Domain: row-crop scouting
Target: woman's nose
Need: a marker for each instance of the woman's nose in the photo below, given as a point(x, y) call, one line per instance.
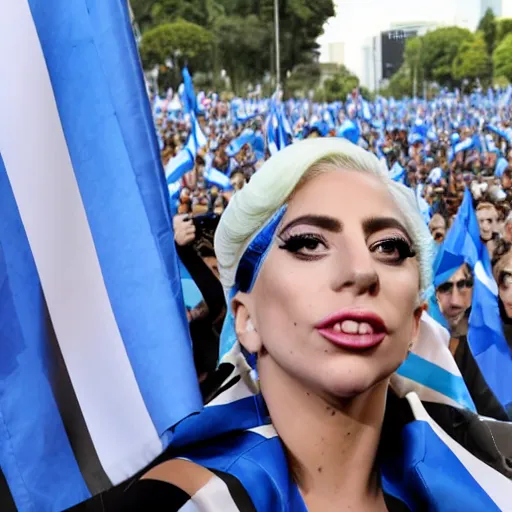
point(355, 269)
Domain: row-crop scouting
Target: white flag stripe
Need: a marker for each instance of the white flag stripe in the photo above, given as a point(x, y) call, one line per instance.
point(215, 493)
point(402, 385)
point(53, 214)
point(433, 344)
point(497, 486)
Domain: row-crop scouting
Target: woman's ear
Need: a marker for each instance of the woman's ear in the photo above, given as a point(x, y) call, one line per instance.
point(416, 323)
point(245, 327)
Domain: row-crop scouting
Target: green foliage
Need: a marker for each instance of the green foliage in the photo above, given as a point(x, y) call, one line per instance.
point(501, 82)
point(240, 42)
point(488, 27)
point(189, 41)
point(339, 86)
point(304, 78)
point(502, 58)
point(239, 28)
point(366, 93)
point(401, 83)
point(150, 13)
point(472, 62)
point(439, 49)
point(504, 27)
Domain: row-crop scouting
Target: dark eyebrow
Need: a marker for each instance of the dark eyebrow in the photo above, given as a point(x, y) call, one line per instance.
point(320, 221)
point(375, 224)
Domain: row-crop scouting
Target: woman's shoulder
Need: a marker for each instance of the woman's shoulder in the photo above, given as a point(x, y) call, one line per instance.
point(182, 485)
point(226, 470)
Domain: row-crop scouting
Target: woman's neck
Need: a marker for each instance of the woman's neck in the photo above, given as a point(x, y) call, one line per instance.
point(332, 444)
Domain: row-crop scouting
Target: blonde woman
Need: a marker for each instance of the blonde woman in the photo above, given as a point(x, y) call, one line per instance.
point(324, 260)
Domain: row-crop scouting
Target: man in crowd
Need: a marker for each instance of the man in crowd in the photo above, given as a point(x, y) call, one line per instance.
point(454, 298)
point(437, 226)
point(487, 216)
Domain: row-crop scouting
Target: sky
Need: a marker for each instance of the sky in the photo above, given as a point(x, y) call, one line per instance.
point(358, 20)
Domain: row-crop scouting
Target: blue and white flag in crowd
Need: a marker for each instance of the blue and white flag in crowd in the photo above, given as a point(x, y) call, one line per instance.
point(215, 177)
point(485, 335)
point(92, 320)
point(397, 173)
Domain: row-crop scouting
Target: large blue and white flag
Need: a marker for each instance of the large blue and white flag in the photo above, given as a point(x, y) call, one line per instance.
point(92, 320)
point(485, 335)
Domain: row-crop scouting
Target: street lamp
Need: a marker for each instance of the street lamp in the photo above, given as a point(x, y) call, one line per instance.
point(278, 47)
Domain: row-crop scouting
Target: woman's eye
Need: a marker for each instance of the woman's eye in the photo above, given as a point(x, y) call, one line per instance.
point(307, 245)
point(393, 250)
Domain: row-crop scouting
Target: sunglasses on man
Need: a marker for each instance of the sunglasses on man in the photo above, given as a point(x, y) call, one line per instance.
point(461, 285)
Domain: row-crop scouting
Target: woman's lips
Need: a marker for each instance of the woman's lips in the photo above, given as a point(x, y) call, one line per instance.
point(353, 329)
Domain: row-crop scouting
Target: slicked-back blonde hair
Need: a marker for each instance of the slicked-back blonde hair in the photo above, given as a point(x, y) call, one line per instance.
point(280, 176)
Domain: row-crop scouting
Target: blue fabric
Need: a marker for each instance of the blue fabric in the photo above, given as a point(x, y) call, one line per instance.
point(437, 475)
point(189, 97)
point(215, 177)
point(501, 165)
point(178, 166)
point(397, 173)
point(434, 377)
point(485, 336)
point(350, 131)
point(246, 275)
point(423, 472)
point(35, 454)
point(89, 47)
point(255, 254)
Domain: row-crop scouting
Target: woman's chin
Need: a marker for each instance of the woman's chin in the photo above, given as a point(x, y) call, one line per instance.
point(352, 384)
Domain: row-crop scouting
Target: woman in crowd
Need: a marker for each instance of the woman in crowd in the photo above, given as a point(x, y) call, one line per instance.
point(324, 261)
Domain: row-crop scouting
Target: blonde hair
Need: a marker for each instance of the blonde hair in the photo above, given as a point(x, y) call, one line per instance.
point(280, 177)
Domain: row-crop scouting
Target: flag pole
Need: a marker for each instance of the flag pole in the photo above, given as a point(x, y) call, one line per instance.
point(278, 48)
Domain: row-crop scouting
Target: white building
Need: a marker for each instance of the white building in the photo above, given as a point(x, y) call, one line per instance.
point(336, 53)
point(372, 76)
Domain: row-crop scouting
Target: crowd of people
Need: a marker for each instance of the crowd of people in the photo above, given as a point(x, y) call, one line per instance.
point(437, 148)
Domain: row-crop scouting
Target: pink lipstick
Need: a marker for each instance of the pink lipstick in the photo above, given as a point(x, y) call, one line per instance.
point(353, 329)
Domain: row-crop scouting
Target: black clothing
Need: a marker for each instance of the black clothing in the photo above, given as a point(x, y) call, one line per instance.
point(205, 332)
point(485, 402)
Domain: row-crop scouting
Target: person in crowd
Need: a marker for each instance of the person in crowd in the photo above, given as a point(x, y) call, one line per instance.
point(487, 216)
point(454, 298)
point(502, 271)
point(205, 322)
point(507, 229)
point(437, 226)
point(238, 179)
point(324, 259)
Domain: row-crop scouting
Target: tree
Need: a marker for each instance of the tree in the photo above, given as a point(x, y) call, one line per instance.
point(240, 42)
point(339, 86)
point(502, 58)
point(504, 27)
point(472, 62)
point(150, 14)
point(401, 83)
point(301, 23)
point(181, 40)
point(413, 59)
point(488, 26)
point(439, 49)
point(304, 78)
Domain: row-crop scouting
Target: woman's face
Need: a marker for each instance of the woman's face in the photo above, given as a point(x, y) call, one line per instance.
point(504, 279)
point(335, 305)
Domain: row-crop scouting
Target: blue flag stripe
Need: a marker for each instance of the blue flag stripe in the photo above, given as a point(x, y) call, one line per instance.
point(150, 254)
point(109, 273)
point(84, 323)
point(434, 377)
point(23, 338)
